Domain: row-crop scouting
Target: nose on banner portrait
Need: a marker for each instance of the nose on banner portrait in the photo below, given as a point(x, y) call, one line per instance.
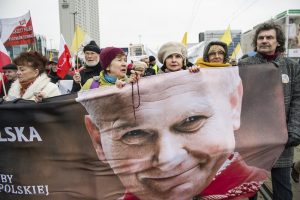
point(180, 135)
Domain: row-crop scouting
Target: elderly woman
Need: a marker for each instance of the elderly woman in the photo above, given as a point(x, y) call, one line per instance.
point(114, 63)
point(215, 55)
point(32, 83)
point(173, 57)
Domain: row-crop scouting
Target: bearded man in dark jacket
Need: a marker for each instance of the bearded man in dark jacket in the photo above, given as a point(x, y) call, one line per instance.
point(92, 66)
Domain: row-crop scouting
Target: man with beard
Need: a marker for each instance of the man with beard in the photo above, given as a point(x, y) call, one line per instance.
point(92, 66)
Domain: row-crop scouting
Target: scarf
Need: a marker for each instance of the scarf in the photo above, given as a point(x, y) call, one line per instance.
point(270, 57)
point(25, 85)
point(107, 80)
point(200, 62)
point(110, 79)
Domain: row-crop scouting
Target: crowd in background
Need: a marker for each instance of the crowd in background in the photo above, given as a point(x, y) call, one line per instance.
point(96, 65)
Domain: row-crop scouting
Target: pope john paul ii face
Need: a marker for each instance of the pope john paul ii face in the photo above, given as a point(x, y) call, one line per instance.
point(175, 146)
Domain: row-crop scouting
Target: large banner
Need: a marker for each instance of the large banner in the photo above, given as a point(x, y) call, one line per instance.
point(181, 135)
point(17, 31)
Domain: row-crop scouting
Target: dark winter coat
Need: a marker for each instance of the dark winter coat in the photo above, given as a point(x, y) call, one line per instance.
point(86, 74)
point(54, 78)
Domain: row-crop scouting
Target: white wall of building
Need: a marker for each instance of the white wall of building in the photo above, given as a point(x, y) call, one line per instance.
point(87, 17)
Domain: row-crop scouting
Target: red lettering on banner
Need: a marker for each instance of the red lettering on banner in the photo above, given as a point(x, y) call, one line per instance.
point(21, 34)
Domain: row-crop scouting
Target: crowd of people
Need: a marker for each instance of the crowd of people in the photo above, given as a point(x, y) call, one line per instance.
point(32, 77)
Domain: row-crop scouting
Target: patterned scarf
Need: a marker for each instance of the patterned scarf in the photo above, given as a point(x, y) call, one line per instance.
point(25, 85)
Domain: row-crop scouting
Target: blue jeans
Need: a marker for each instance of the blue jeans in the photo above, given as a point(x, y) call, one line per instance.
point(281, 183)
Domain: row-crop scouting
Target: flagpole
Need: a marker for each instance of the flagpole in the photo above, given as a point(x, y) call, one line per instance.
point(74, 15)
point(51, 54)
point(77, 51)
point(34, 44)
point(2, 80)
point(76, 67)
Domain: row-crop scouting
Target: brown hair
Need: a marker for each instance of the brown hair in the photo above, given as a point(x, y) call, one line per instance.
point(32, 59)
point(279, 35)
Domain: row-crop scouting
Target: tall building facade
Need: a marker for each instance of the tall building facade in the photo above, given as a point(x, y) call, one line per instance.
point(136, 50)
point(84, 13)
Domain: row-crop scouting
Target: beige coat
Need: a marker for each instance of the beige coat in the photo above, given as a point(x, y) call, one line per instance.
point(42, 83)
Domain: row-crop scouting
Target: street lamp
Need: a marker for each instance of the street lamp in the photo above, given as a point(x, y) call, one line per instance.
point(74, 17)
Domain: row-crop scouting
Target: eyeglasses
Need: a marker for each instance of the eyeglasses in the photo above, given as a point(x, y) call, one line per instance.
point(216, 53)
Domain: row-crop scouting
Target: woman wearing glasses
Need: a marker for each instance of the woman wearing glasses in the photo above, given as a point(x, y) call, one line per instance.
point(215, 55)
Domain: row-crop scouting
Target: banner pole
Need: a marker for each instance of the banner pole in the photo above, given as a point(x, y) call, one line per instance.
point(77, 50)
point(2, 80)
point(76, 35)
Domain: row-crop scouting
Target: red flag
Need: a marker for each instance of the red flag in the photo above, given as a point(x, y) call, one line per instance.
point(4, 57)
point(4, 60)
point(63, 64)
point(17, 30)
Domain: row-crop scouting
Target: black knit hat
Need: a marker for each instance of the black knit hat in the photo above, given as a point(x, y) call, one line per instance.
point(92, 46)
point(53, 61)
point(10, 66)
point(151, 58)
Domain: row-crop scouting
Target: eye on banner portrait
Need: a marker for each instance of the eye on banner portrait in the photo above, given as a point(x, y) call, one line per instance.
point(208, 135)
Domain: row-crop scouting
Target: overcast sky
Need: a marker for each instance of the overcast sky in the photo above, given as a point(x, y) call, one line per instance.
point(153, 22)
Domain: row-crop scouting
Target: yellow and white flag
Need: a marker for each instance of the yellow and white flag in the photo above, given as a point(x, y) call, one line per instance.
point(79, 40)
point(237, 52)
point(184, 39)
point(51, 56)
point(226, 37)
